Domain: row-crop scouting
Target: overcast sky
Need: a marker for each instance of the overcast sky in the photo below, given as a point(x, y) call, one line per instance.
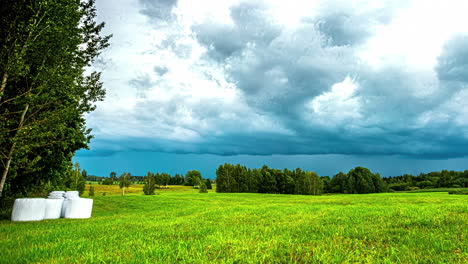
point(323, 85)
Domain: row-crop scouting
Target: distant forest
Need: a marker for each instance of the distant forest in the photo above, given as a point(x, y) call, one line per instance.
point(437, 179)
point(237, 178)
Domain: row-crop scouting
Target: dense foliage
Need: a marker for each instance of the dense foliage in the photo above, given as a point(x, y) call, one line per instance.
point(357, 180)
point(442, 179)
point(177, 179)
point(155, 180)
point(203, 188)
point(46, 46)
point(193, 178)
point(239, 179)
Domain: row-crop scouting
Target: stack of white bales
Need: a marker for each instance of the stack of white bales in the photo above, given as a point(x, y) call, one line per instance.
point(58, 204)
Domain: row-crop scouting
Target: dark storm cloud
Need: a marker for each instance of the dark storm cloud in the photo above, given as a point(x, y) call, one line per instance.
point(277, 69)
point(279, 72)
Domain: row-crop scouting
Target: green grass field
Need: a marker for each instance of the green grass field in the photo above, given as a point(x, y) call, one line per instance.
point(182, 226)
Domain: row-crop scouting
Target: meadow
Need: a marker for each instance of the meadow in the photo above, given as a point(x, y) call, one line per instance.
point(180, 225)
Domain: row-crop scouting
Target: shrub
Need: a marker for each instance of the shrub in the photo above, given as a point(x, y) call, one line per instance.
point(91, 190)
point(208, 184)
point(107, 181)
point(203, 188)
point(459, 192)
point(398, 186)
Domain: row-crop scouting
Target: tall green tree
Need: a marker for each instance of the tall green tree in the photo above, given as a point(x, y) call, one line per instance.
point(193, 178)
point(46, 46)
point(113, 176)
point(221, 179)
point(338, 183)
point(268, 184)
point(165, 179)
point(360, 181)
point(150, 184)
point(309, 183)
point(124, 181)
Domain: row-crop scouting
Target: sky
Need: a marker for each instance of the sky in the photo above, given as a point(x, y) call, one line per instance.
point(323, 85)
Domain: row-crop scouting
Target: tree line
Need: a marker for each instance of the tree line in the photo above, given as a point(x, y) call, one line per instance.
point(237, 178)
point(191, 178)
point(436, 179)
point(152, 181)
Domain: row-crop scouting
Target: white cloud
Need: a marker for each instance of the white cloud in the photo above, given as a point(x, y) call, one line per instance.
point(338, 106)
point(416, 34)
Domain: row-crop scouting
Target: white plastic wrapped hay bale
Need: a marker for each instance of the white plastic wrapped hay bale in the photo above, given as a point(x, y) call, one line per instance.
point(64, 207)
point(28, 209)
point(71, 195)
point(56, 195)
point(78, 208)
point(68, 195)
point(53, 208)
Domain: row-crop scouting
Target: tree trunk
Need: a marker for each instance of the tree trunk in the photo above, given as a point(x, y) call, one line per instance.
point(3, 85)
point(12, 149)
point(123, 191)
point(7, 167)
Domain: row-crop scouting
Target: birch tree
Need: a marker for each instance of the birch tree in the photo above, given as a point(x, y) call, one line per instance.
point(124, 181)
point(46, 47)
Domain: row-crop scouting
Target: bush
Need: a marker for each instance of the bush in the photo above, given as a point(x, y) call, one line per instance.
point(91, 190)
point(203, 188)
point(459, 192)
point(6, 206)
point(208, 184)
point(107, 181)
point(398, 186)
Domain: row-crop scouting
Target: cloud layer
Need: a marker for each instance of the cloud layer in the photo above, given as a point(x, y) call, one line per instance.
point(270, 77)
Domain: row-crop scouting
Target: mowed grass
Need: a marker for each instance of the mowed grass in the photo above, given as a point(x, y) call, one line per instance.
point(181, 225)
